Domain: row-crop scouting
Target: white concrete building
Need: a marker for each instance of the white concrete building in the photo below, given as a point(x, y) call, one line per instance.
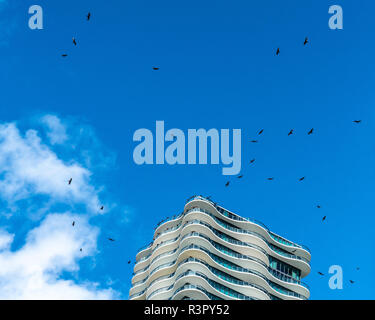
point(208, 252)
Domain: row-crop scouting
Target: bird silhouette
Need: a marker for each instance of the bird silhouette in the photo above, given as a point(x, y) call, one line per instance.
point(252, 161)
point(311, 131)
point(318, 206)
point(227, 184)
point(102, 208)
point(74, 41)
point(64, 55)
point(290, 132)
point(270, 179)
point(110, 239)
point(73, 223)
point(70, 181)
point(88, 16)
point(260, 132)
point(278, 51)
point(306, 41)
point(351, 281)
point(301, 179)
point(129, 262)
point(240, 176)
point(322, 274)
point(357, 121)
point(325, 217)
point(155, 68)
point(80, 249)
point(254, 141)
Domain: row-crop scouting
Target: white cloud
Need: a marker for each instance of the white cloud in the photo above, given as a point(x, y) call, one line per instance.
point(56, 131)
point(47, 265)
point(30, 168)
point(5, 240)
point(33, 271)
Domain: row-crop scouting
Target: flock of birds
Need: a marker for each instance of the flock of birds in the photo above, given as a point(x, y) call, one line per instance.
point(291, 132)
point(101, 208)
point(74, 40)
point(300, 179)
point(273, 178)
point(64, 55)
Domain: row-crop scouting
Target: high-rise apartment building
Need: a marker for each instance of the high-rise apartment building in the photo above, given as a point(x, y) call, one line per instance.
point(208, 252)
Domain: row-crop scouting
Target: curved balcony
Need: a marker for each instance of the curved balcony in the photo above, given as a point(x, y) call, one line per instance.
point(238, 256)
point(277, 274)
point(227, 265)
point(237, 230)
point(229, 240)
point(233, 216)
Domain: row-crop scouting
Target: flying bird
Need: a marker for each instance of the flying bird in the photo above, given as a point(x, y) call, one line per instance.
point(270, 179)
point(64, 55)
point(110, 239)
point(88, 16)
point(102, 208)
point(74, 41)
point(351, 281)
point(324, 218)
point(227, 184)
point(306, 41)
point(311, 131)
point(278, 51)
point(260, 132)
point(322, 274)
point(155, 68)
point(290, 132)
point(357, 121)
point(129, 262)
point(301, 179)
point(252, 161)
point(240, 176)
point(70, 181)
point(318, 206)
point(254, 141)
point(73, 223)
point(80, 249)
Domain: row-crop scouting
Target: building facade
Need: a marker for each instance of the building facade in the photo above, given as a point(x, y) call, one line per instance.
point(208, 252)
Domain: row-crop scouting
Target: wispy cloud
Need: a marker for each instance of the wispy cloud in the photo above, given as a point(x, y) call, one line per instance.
point(5, 239)
point(30, 170)
point(33, 271)
point(56, 131)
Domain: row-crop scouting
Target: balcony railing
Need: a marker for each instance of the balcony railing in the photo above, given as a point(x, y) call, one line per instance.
point(238, 218)
point(228, 215)
point(228, 265)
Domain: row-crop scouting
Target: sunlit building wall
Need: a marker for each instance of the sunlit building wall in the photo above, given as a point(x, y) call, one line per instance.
point(210, 253)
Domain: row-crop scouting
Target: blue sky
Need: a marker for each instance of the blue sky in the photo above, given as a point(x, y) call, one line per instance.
point(218, 69)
